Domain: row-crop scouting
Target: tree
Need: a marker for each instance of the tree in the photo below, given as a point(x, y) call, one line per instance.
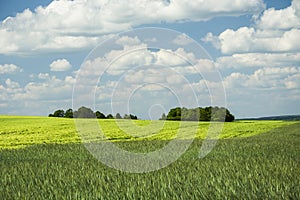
point(184, 114)
point(69, 113)
point(59, 113)
point(110, 116)
point(174, 114)
point(126, 116)
point(218, 114)
point(204, 114)
point(100, 115)
point(118, 116)
point(201, 114)
point(193, 114)
point(132, 116)
point(229, 117)
point(84, 112)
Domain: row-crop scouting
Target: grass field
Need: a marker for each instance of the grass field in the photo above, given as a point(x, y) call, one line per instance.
point(43, 158)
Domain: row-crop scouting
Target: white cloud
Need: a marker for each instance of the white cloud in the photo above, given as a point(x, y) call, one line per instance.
point(36, 98)
point(72, 25)
point(254, 40)
point(286, 18)
point(240, 61)
point(8, 90)
point(128, 41)
point(293, 82)
point(173, 58)
point(154, 75)
point(135, 55)
point(127, 60)
point(60, 65)
point(182, 39)
point(152, 87)
point(268, 91)
point(11, 84)
point(271, 49)
point(267, 78)
point(274, 31)
point(136, 67)
point(43, 76)
point(212, 39)
point(49, 88)
point(9, 69)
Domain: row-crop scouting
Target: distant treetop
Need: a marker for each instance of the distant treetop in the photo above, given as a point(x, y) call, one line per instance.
point(200, 114)
point(84, 112)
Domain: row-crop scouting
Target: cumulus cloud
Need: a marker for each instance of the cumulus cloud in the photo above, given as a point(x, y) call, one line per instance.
point(247, 39)
point(286, 18)
point(131, 67)
point(9, 69)
point(249, 94)
point(43, 76)
point(117, 62)
point(39, 97)
point(72, 25)
point(49, 88)
point(270, 78)
point(8, 90)
point(293, 82)
point(60, 89)
point(257, 60)
point(60, 65)
point(270, 54)
point(134, 54)
point(274, 31)
point(272, 91)
point(12, 84)
point(135, 67)
point(128, 41)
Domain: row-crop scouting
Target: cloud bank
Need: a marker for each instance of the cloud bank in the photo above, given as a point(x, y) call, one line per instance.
point(73, 25)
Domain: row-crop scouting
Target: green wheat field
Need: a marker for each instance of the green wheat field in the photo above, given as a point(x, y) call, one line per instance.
point(44, 158)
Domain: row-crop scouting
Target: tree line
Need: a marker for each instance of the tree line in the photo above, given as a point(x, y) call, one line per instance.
point(199, 114)
point(84, 112)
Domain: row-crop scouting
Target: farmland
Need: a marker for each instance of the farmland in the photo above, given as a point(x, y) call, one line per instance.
point(20, 132)
point(43, 158)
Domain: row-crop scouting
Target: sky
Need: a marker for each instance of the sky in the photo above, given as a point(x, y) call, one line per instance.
point(241, 54)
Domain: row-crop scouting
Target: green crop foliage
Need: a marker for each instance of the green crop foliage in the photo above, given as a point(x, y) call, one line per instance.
point(252, 160)
point(18, 132)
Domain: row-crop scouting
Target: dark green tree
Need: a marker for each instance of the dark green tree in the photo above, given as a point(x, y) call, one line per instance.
point(100, 115)
point(84, 112)
point(126, 116)
point(174, 114)
point(69, 113)
point(133, 116)
point(110, 116)
point(59, 113)
point(118, 116)
point(200, 114)
point(229, 116)
point(204, 114)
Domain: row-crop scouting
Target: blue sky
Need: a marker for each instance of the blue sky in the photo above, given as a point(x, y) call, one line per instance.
point(252, 44)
